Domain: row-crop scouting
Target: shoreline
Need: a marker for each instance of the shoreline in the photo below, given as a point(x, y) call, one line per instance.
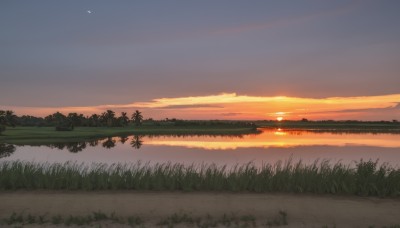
point(302, 210)
point(41, 135)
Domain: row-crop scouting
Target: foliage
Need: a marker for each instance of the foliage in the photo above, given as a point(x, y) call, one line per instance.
point(180, 219)
point(365, 179)
point(137, 118)
point(6, 150)
point(7, 118)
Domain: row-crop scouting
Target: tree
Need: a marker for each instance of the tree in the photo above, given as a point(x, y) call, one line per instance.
point(108, 118)
point(123, 120)
point(76, 119)
point(7, 118)
point(60, 121)
point(137, 118)
point(94, 120)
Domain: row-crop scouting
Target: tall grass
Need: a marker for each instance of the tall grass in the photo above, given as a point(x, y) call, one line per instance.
point(366, 178)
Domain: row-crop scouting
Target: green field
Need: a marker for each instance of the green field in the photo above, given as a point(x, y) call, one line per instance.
point(366, 179)
point(335, 126)
point(26, 135)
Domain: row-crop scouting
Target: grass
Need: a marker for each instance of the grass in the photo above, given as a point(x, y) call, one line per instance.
point(99, 216)
point(37, 135)
point(367, 178)
point(335, 126)
point(136, 221)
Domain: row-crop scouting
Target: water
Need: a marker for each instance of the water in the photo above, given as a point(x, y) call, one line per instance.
point(269, 146)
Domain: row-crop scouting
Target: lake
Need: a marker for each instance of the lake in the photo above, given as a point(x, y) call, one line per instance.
point(268, 146)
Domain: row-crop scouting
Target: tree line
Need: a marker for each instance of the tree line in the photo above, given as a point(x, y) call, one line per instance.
point(67, 122)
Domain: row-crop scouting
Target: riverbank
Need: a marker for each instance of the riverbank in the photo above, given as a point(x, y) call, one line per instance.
point(154, 207)
point(335, 126)
point(37, 135)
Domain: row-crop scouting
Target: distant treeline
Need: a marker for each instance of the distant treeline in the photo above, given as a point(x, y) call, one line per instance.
point(106, 119)
point(68, 122)
point(110, 119)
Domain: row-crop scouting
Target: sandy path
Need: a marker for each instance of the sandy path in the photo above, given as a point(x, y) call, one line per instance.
point(302, 210)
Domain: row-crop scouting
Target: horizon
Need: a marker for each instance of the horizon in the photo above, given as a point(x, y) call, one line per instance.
point(224, 105)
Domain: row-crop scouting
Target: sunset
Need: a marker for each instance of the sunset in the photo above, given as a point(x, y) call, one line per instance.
point(172, 113)
point(232, 106)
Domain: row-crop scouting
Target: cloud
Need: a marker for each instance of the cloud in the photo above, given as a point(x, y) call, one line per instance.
point(389, 108)
point(232, 114)
point(232, 105)
point(190, 106)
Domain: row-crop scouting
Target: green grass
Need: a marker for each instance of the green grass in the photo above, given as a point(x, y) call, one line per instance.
point(36, 135)
point(335, 126)
point(367, 178)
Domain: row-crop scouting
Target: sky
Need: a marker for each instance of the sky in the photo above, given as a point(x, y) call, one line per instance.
point(298, 59)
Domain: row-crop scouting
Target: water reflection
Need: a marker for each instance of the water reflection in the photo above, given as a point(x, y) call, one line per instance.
point(283, 138)
point(6, 150)
point(123, 139)
point(266, 138)
point(137, 141)
point(269, 146)
point(109, 143)
point(73, 147)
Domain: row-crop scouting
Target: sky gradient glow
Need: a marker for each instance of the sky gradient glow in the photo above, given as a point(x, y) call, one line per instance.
point(223, 59)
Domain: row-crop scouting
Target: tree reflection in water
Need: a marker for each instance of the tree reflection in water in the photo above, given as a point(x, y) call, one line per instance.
point(6, 150)
point(109, 143)
point(123, 139)
point(137, 141)
point(76, 147)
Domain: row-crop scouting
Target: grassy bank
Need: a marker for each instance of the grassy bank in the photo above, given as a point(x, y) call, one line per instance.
point(99, 218)
point(366, 179)
point(25, 135)
point(335, 126)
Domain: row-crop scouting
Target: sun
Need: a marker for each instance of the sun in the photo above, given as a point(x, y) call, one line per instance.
point(279, 118)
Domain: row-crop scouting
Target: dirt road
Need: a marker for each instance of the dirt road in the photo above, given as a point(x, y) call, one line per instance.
point(302, 210)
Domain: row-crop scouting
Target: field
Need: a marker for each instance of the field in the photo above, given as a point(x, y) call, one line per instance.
point(36, 135)
point(335, 126)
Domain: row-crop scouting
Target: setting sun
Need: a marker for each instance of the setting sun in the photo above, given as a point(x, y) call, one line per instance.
point(279, 118)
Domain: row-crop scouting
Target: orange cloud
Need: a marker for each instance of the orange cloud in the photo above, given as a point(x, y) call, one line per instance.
point(233, 106)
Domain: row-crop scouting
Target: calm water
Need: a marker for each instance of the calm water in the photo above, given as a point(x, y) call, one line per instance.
point(268, 146)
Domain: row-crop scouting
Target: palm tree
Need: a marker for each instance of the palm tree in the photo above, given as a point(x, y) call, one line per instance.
point(108, 117)
point(137, 118)
point(123, 119)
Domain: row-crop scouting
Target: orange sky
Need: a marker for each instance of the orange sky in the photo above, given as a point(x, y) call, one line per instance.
point(235, 106)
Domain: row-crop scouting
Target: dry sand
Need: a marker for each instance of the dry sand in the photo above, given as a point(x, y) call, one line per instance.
point(302, 210)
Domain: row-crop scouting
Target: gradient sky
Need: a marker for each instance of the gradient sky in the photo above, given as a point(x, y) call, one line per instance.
point(54, 54)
